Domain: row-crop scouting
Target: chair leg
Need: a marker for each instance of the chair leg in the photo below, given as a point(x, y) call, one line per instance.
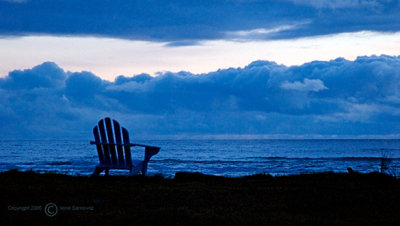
point(97, 172)
point(144, 168)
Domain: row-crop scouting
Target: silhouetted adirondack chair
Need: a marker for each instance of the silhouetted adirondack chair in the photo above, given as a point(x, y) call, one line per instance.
point(114, 149)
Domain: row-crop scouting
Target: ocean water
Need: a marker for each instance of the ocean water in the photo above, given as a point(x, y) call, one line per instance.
point(216, 157)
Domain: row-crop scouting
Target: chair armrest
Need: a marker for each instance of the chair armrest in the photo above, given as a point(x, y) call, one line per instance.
point(130, 144)
point(143, 145)
point(149, 150)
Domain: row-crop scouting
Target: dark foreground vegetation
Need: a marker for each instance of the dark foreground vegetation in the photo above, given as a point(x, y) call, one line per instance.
point(197, 199)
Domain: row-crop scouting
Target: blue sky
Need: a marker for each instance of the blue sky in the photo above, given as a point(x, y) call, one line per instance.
point(285, 68)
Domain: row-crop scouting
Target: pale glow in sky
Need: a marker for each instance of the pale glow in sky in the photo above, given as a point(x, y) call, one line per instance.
point(108, 57)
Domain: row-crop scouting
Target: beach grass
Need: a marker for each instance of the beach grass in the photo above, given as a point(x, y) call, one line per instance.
point(198, 199)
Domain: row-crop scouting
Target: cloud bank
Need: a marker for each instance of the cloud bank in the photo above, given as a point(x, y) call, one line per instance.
point(337, 97)
point(186, 22)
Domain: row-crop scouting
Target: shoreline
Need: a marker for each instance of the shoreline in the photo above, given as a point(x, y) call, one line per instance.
point(199, 199)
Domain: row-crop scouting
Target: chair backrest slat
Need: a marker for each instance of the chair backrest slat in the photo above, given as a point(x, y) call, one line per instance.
point(125, 136)
point(118, 142)
point(107, 159)
point(110, 135)
point(98, 145)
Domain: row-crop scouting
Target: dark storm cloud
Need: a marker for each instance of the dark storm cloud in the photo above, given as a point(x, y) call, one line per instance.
point(187, 22)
